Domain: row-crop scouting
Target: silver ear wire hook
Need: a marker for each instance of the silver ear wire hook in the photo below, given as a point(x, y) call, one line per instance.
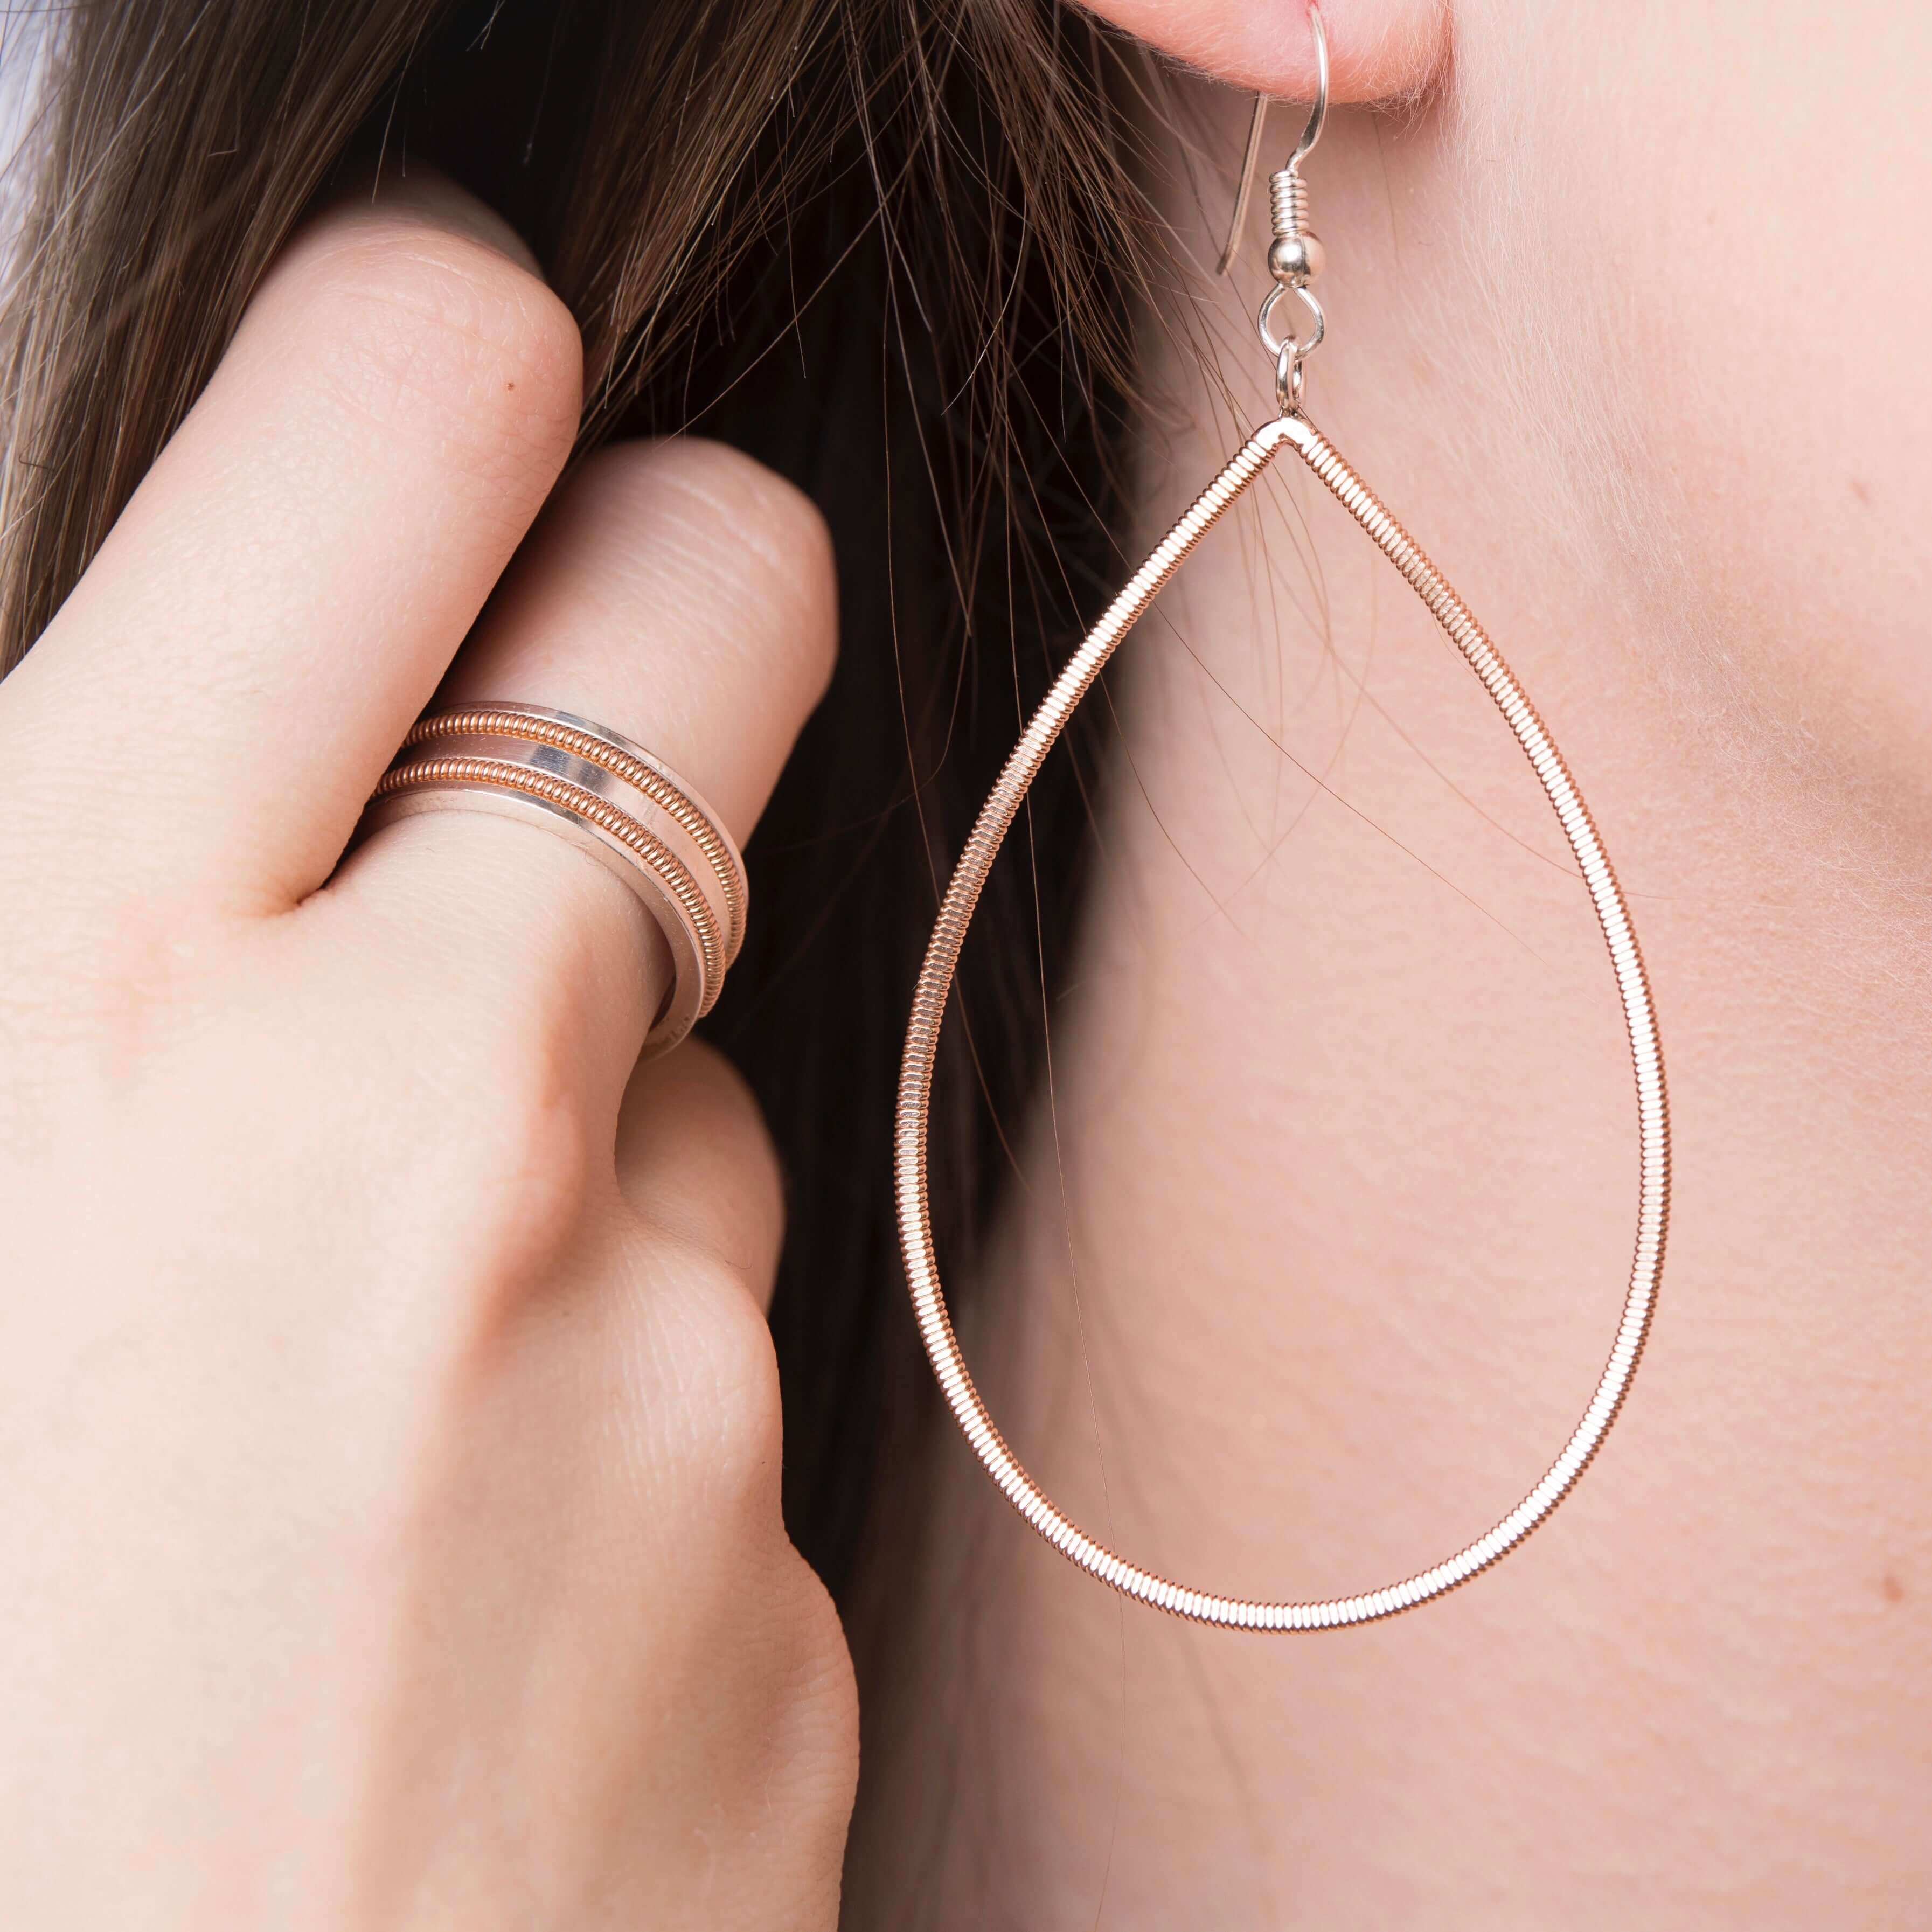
point(1310, 134)
point(1247, 188)
point(1295, 255)
point(1317, 114)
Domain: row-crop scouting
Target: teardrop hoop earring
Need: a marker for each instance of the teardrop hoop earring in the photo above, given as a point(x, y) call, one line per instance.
point(1294, 259)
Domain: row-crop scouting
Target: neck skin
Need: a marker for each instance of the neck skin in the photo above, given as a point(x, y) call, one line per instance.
point(1324, 1240)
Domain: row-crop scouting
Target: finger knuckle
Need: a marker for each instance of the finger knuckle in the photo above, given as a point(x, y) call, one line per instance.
point(821, 1662)
point(415, 324)
point(518, 1166)
point(756, 1225)
point(814, 1732)
point(713, 1104)
point(722, 1357)
point(760, 538)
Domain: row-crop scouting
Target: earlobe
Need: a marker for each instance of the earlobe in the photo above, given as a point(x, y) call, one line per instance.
point(1378, 50)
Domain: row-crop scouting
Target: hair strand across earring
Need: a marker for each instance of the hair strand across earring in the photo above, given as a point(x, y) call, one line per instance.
point(1295, 258)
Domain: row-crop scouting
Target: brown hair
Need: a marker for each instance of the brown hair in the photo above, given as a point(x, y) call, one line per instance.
point(882, 244)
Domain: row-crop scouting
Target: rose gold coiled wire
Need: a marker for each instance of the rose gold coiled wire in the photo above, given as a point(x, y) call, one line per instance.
point(419, 773)
point(935, 981)
point(491, 721)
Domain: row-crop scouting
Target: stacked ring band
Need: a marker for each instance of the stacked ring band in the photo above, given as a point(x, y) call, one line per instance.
point(609, 798)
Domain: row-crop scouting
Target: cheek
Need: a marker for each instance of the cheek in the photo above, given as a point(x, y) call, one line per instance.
point(1719, 212)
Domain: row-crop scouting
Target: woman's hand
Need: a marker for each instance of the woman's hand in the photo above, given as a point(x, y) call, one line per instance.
point(389, 1527)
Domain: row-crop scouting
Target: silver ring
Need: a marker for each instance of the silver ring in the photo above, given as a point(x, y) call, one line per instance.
point(611, 799)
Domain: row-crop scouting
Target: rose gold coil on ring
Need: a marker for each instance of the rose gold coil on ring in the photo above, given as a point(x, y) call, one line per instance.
point(622, 760)
point(935, 981)
point(614, 801)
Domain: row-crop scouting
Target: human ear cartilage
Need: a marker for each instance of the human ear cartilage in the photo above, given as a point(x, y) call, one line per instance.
point(1292, 261)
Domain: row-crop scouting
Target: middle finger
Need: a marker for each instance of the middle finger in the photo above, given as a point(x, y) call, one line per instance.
point(295, 573)
point(676, 593)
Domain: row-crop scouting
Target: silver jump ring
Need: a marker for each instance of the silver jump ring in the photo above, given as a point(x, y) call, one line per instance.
point(611, 799)
point(1291, 373)
point(1303, 346)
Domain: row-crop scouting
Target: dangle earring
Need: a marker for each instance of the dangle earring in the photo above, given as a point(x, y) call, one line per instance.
point(1294, 259)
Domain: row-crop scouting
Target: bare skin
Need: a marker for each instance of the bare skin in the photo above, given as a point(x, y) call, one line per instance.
point(390, 1446)
point(391, 1439)
point(1317, 1262)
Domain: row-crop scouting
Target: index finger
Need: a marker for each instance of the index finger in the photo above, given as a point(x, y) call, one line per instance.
point(292, 578)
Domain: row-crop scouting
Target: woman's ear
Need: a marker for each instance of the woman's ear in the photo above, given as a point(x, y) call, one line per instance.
point(1377, 49)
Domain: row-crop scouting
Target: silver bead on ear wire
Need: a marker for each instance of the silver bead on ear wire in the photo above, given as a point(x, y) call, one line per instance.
point(1296, 256)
